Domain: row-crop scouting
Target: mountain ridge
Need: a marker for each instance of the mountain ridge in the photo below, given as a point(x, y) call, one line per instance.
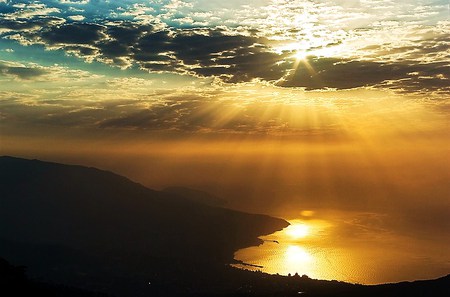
point(107, 216)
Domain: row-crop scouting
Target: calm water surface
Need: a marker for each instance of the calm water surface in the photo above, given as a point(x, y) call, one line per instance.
point(353, 248)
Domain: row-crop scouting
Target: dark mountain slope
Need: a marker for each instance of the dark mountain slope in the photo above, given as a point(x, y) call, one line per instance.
point(13, 282)
point(95, 216)
point(196, 196)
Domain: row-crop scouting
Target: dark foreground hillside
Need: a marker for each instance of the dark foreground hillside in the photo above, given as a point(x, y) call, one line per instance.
point(95, 229)
point(81, 230)
point(13, 282)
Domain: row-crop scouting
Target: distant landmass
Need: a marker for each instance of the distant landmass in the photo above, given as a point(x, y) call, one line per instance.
point(82, 230)
point(196, 196)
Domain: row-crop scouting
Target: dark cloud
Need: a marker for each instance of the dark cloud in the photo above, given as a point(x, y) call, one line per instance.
point(73, 34)
point(207, 52)
point(21, 72)
point(184, 114)
point(23, 26)
point(245, 64)
point(417, 83)
point(18, 25)
point(316, 73)
point(113, 49)
point(128, 33)
point(193, 48)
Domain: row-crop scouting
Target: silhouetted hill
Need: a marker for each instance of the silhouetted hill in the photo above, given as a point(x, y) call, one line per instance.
point(87, 221)
point(195, 196)
point(86, 208)
point(13, 282)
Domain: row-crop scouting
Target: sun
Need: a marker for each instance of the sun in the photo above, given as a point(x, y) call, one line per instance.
point(298, 50)
point(301, 55)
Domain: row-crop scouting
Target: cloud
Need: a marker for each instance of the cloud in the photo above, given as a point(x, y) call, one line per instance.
point(36, 73)
point(74, 1)
point(131, 106)
point(316, 73)
point(77, 34)
point(245, 54)
point(76, 17)
point(24, 28)
point(21, 72)
point(206, 52)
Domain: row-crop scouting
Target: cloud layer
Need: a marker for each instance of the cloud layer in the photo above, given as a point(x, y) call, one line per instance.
point(152, 38)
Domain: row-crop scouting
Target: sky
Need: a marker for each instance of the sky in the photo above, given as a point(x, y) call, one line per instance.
point(277, 106)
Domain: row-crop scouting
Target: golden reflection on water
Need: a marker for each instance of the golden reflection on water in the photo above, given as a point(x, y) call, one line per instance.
point(297, 230)
point(322, 250)
point(287, 251)
point(296, 256)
